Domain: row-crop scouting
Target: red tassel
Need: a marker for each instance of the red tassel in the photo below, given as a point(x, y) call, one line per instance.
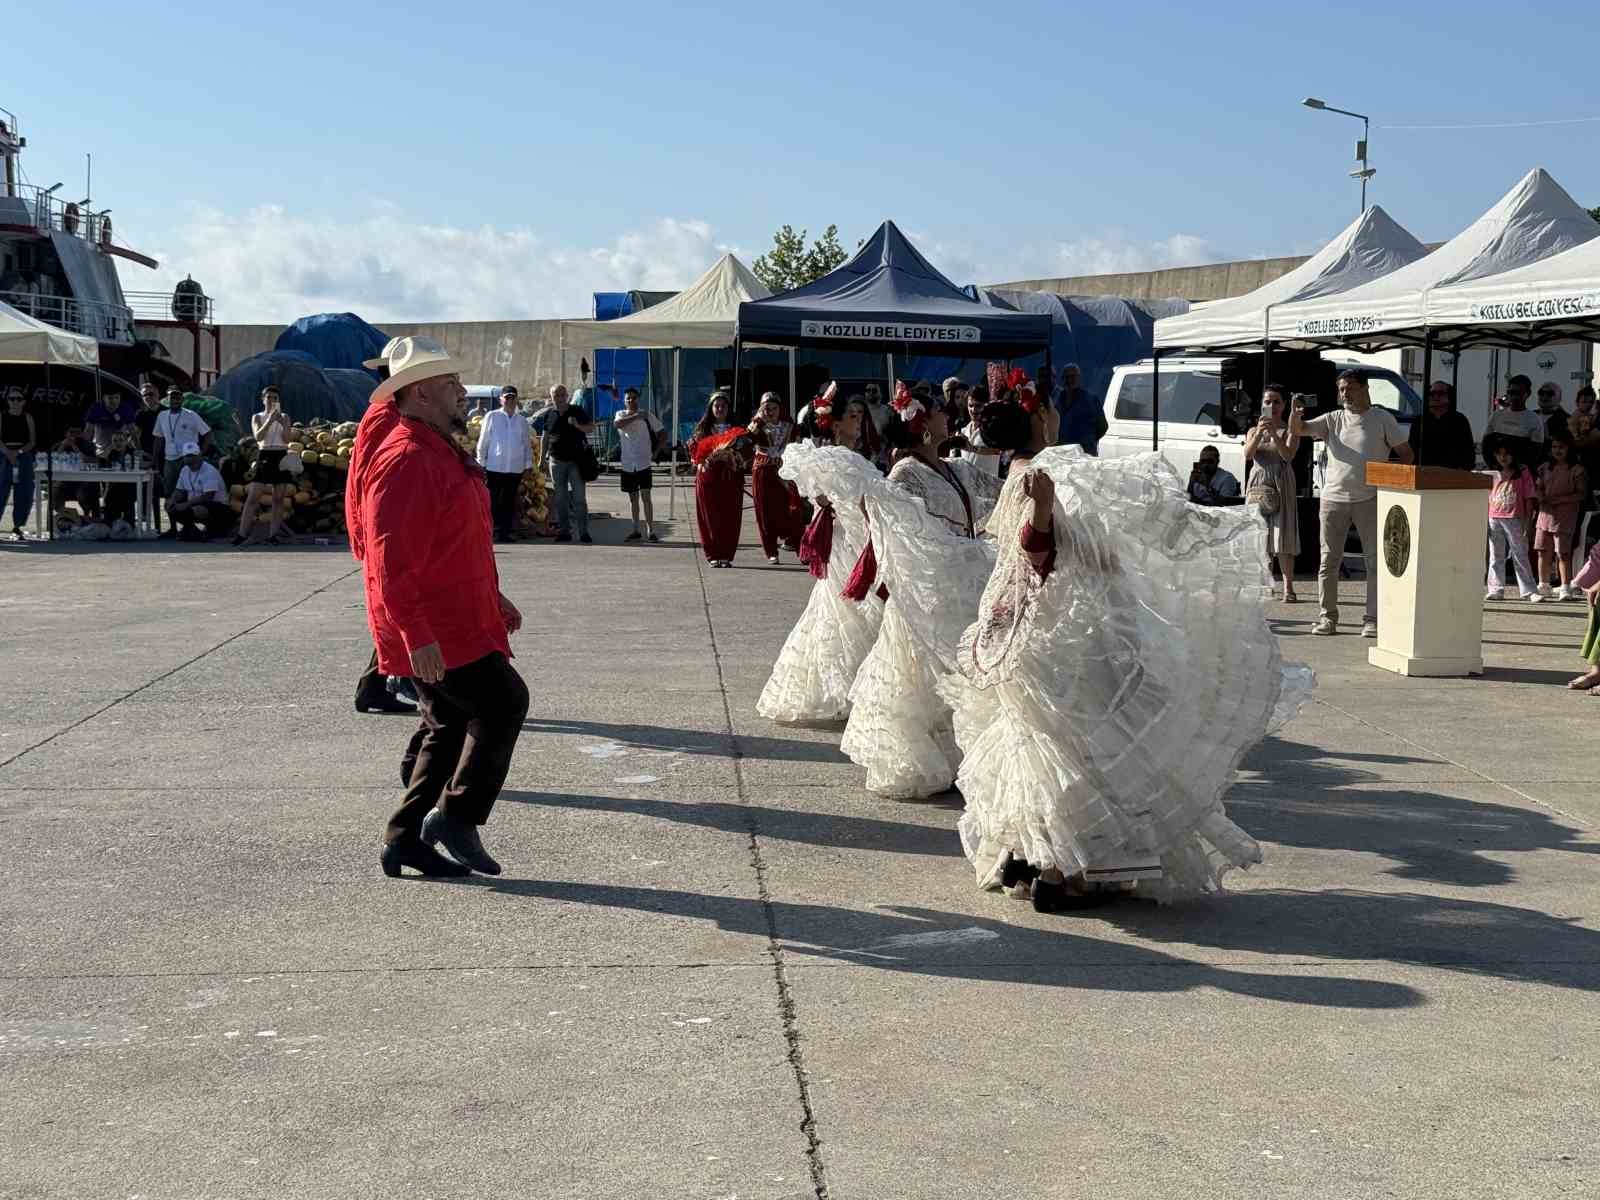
point(817, 544)
point(859, 585)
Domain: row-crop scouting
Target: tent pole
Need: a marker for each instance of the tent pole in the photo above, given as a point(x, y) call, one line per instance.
point(889, 361)
point(791, 406)
point(1427, 382)
point(672, 496)
point(562, 378)
point(1155, 402)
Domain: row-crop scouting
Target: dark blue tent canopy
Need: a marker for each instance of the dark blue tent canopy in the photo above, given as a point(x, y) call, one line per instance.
point(888, 298)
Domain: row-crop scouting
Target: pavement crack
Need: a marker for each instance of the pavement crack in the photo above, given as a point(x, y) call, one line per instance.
point(149, 683)
point(786, 1005)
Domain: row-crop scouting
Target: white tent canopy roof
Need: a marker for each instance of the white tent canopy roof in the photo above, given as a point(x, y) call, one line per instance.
point(703, 315)
point(1370, 247)
point(24, 339)
point(1541, 301)
point(1532, 221)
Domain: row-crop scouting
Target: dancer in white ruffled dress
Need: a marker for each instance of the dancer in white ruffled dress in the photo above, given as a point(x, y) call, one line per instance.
point(810, 682)
point(1119, 669)
point(926, 550)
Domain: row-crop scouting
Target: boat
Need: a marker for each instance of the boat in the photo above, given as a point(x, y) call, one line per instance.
point(58, 264)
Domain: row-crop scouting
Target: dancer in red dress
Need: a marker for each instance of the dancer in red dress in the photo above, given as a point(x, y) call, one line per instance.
point(720, 451)
point(780, 514)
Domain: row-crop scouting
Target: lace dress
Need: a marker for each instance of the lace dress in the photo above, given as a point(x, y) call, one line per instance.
point(1102, 710)
point(935, 569)
point(810, 682)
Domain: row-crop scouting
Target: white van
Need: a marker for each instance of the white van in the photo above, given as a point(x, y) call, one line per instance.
point(1204, 404)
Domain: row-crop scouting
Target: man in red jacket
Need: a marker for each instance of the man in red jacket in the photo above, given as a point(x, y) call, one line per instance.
point(436, 613)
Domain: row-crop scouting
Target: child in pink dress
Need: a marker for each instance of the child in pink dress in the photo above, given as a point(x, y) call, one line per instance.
point(1510, 500)
point(1563, 483)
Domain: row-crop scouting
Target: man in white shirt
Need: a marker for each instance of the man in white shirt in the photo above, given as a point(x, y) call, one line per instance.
point(505, 451)
point(175, 427)
point(199, 502)
point(1516, 421)
point(641, 435)
point(1354, 435)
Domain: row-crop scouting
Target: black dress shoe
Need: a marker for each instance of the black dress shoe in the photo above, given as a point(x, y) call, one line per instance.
point(1017, 870)
point(1058, 897)
point(460, 839)
point(412, 852)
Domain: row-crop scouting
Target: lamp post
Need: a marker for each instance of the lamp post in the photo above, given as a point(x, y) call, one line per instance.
point(1363, 172)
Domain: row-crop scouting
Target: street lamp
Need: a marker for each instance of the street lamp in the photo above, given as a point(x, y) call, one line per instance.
point(1363, 172)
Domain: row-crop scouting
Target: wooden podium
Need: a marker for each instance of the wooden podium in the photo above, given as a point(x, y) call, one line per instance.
point(1433, 527)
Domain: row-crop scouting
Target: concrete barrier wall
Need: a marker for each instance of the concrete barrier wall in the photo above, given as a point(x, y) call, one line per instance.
point(1215, 281)
point(526, 353)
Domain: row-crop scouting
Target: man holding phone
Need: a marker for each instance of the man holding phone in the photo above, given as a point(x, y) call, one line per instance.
point(1209, 484)
point(1354, 434)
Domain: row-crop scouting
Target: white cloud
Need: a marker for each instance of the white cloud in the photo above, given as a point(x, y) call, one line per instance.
point(270, 265)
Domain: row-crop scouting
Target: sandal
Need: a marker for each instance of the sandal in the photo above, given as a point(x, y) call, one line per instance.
point(1290, 598)
point(1585, 683)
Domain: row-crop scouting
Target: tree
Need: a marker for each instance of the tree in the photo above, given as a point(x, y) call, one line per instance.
point(791, 263)
point(1595, 212)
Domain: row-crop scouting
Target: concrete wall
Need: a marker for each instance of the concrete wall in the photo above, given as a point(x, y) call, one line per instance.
point(526, 353)
point(1215, 281)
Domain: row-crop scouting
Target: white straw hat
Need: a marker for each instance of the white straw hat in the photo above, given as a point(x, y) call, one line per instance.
point(411, 360)
point(372, 364)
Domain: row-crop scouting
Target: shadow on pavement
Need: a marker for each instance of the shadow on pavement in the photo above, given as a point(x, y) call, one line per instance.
point(690, 741)
point(960, 946)
point(1470, 936)
point(790, 825)
point(1528, 674)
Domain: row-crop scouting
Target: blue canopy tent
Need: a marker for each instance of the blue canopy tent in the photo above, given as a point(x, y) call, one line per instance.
point(891, 300)
point(1098, 333)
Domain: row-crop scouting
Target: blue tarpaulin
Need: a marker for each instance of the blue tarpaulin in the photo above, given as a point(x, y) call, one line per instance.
point(618, 369)
point(308, 391)
point(888, 298)
point(339, 340)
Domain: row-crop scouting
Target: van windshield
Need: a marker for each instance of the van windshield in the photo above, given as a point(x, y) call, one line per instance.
point(1390, 391)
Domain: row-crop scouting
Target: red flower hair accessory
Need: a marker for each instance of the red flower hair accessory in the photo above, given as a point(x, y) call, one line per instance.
point(911, 410)
point(1019, 383)
point(822, 407)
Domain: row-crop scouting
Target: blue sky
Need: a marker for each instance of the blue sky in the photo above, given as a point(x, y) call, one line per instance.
point(493, 160)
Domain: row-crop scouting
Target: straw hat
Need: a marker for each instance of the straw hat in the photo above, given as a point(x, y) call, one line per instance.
point(411, 360)
point(372, 364)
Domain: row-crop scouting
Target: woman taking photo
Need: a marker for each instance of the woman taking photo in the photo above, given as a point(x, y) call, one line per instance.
point(718, 481)
point(779, 515)
point(1269, 447)
point(270, 427)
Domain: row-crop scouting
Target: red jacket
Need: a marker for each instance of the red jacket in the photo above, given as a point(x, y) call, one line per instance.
point(376, 424)
point(428, 557)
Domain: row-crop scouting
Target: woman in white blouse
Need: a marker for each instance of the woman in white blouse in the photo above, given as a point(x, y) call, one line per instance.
point(270, 427)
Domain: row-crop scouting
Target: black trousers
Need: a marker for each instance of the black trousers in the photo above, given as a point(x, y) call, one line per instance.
point(472, 719)
point(503, 487)
point(373, 684)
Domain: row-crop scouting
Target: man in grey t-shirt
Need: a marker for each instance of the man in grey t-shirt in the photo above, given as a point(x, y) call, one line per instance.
point(1354, 434)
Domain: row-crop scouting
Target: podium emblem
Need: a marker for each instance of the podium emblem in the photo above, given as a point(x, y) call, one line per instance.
point(1396, 540)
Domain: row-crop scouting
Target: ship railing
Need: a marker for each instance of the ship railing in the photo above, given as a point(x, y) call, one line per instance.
point(49, 213)
point(98, 319)
point(189, 307)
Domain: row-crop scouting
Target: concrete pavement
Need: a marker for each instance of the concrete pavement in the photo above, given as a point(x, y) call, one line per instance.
point(715, 967)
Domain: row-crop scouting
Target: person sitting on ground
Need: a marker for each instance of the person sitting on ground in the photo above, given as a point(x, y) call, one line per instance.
point(1443, 437)
point(1209, 484)
point(199, 502)
point(639, 435)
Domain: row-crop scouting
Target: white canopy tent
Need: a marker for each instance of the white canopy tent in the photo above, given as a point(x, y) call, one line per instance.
point(1551, 300)
point(24, 339)
point(702, 316)
point(1534, 220)
point(1370, 247)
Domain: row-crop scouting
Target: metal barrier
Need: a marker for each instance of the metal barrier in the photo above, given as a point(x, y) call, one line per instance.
point(102, 321)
